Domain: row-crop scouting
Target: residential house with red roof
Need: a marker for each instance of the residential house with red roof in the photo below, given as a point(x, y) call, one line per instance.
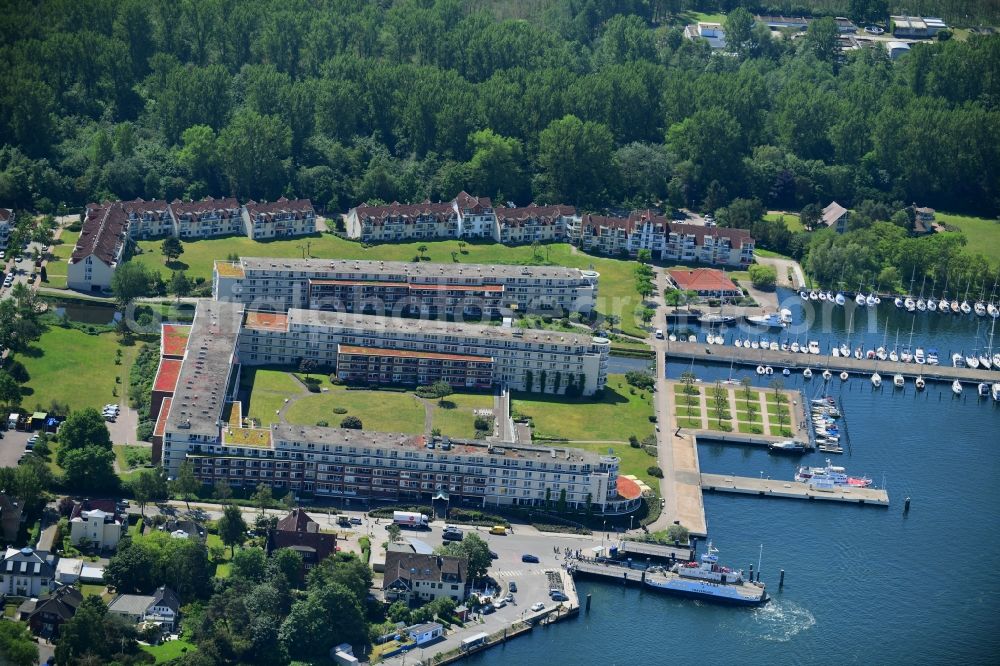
point(206, 218)
point(279, 219)
point(719, 246)
point(303, 535)
point(101, 247)
point(476, 217)
point(707, 282)
point(397, 222)
point(148, 219)
point(545, 224)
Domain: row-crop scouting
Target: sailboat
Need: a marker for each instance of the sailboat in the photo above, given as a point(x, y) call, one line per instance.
point(988, 358)
point(839, 299)
point(972, 360)
point(920, 383)
point(931, 303)
point(921, 303)
point(956, 387)
point(983, 389)
point(965, 307)
point(908, 302)
point(906, 356)
point(859, 298)
point(880, 353)
point(943, 303)
point(877, 380)
point(980, 307)
point(894, 355)
point(898, 381)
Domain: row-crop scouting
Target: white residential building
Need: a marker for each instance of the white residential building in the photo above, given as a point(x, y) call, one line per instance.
point(6, 226)
point(148, 219)
point(162, 608)
point(26, 572)
point(98, 522)
point(102, 246)
point(279, 219)
point(206, 218)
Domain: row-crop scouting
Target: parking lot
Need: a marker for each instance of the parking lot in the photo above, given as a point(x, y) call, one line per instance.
point(12, 446)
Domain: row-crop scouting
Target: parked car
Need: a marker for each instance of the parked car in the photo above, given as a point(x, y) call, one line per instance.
point(500, 603)
point(343, 521)
point(355, 520)
point(509, 598)
point(487, 609)
point(537, 606)
point(529, 558)
point(493, 555)
point(452, 535)
point(513, 586)
point(558, 595)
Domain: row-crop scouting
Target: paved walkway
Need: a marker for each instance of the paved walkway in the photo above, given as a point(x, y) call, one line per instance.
point(782, 266)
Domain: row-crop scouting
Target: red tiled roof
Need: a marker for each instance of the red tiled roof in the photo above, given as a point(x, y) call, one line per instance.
point(628, 488)
point(103, 232)
point(196, 209)
point(6, 214)
point(442, 211)
point(629, 224)
point(173, 339)
point(736, 236)
point(140, 206)
point(299, 208)
point(466, 201)
point(405, 353)
point(166, 375)
point(702, 280)
point(545, 214)
point(161, 419)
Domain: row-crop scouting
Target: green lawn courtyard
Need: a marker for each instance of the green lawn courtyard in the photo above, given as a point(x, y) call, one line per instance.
point(617, 294)
point(621, 411)
point(75, 368)
point(55, 269)
point(740, 412)
point(983, 235)
point(274, 389)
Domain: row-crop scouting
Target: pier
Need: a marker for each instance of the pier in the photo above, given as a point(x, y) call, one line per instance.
point(792, 490)
point(656, 550)
point(724, 354)
point(613, 571)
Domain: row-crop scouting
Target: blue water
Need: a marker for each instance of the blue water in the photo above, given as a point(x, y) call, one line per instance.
point(863, 584)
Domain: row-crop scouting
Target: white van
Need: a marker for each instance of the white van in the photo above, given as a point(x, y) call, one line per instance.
point(659, 333)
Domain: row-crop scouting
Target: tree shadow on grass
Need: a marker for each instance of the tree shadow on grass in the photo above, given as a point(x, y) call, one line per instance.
point(177, 265)
point(32, 351)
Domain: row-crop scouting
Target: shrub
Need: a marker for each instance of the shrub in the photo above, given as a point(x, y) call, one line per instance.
point(633, 441)
point(339, 410)
point(641, 380)
point(144, 431)
point(654, 471)
point(322, 424)
point(352, 422)
point(484, 423)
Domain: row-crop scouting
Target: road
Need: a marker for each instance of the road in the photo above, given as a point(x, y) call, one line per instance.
point(22, 270)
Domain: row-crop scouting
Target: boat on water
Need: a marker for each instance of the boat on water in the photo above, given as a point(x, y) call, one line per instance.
point(983, 389)
point(893, 356)
point(787, 447)
point(985, 361)
point(804, 295)
point(958, 360)
point(672, 337)
point(932, 357)
point(898, 302)
point(813, 296)
point(931, 304)
point(786, 372)
point(980, 308)
point(898, 380)
point(829, 477)
point(921, 305)
point(773, 320)
point(993, 311)
point(844, 376)
point(822, 295)
point(859, 353)
point(995, 391)
point(918, 356)
point(813, 347)
point(827, 375)
point(835, 352)
point(692, 338)
point(807, 373)
point(839, 299)
point(861, 300)
point(760, 370)
point(707, 580)
point(716, 319)
point(881, 354)
point(956, 387)
point(906, 356)
point(795, 346)
point(737, 342)
point(844, 350)
point(754, 344)
point(955, 309)
point(910, 304)
point(965, 307)
point(876, 380)
point(920, 383)
point(972, 361)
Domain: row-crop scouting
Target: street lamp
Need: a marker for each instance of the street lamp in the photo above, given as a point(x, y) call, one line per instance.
point(630, 519)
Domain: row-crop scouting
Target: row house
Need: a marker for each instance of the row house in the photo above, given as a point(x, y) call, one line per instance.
point(545, 224)
point(102, 246)
point(148, 219)
point(476, 217)
point(404, 288)
point(397, 222)
point(6, 226)
point(206, 218)
point(601, 234)
point(720, 246)
point(372, 365)
point(280, 219)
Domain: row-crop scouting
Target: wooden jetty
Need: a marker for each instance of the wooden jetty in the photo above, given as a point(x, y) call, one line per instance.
point(792, 490)
point(749, 440)
point(656, 550)
point(613, 571)
point(725, 354)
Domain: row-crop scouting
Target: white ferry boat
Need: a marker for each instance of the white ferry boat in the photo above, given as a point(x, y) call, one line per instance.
point(707, 580)
point(829, 477)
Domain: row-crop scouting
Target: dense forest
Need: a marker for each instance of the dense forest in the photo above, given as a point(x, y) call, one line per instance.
point(598, 104)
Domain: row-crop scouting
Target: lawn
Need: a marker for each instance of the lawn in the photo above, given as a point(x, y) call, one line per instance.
point(270, 388)
point(983, 235)
point(130, 460)
point(223, 569)
point(55, 269)
point(616, 294)
point(614, 416)
point(75, 368)
point(170, 650)
point(792, 221)
point(459, 421)
point(86, 589)
point(384, 411)
point(633, 461)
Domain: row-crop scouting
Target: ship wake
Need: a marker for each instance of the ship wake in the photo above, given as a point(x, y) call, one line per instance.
point(779, 621)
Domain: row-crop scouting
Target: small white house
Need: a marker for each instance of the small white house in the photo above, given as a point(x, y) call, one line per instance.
point(103, 529)
point(425, 633)
point(162, 608)
point(26, 572)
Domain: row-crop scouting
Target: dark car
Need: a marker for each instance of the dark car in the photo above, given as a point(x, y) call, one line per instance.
point(557, 595)
point(529, 558)
point(355, 520)
point(452, 535)
point(488, 608)
point(494, 556)
point(513, 586)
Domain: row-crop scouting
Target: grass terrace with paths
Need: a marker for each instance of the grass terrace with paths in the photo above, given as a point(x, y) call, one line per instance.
point(385, 411)
point(612, 417)
point(617, 294)
point(57, 266)
point(460, 420)
point(75, 368)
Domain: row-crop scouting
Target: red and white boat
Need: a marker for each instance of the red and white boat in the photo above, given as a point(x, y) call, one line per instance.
point(831, 476)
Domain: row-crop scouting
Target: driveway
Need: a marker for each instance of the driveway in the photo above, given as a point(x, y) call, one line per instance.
point(12, 446)
point(782, 266)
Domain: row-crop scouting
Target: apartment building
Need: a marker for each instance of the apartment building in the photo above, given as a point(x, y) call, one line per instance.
point(476, 217)
point(102, 245)
point(206, 218)
point(720, 246)
point(404, 288)
point(6, 226)
point(601, 234)
point(397, 222)
point(545, 224)
point(148, 219)
point(280, 219)
point(522, 359)
point(409, 468)
point(424, 577)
